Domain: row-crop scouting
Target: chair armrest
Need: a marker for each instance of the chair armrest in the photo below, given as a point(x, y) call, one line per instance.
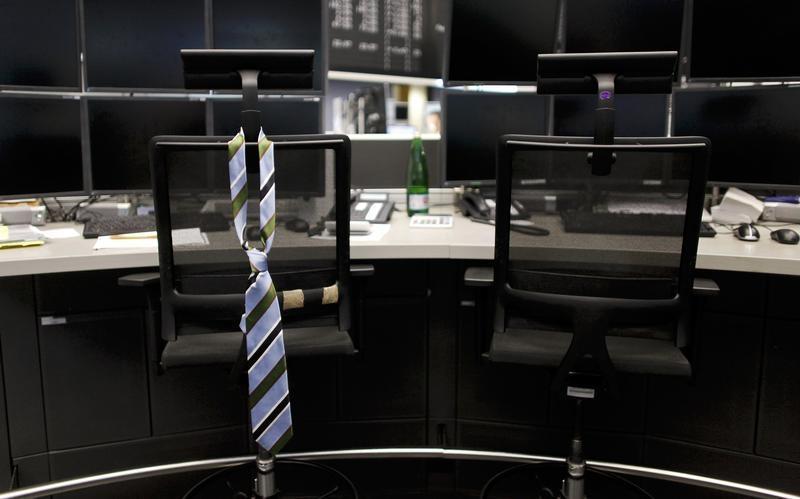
point(139, 280)
point(479, 277)
point(362, 270)
point(705, 287)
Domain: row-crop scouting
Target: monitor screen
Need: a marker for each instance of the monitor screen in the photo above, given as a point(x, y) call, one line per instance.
point(137, 44)
point(40, 146)
point(473, 121)
point(623, 25)
point(397, 38)
point(39, 43)
point(740, 40)
point(499, 41)
point(297, 172)
point(636, 115)
point(120, 131)
point(755, 133)
point(273, 24)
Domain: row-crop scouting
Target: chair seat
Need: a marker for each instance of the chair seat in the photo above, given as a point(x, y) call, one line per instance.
point(224, 348)
point(547, 348)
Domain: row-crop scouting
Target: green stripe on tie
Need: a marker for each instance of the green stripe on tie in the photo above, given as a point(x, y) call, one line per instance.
point(234, 145)
point(268, 229)
point(267, 382)
point(281, 442)
point(263, 147)
point(260, 308)
point(239, 200)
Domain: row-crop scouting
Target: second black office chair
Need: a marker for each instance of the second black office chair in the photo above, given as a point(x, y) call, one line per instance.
point(588, 300)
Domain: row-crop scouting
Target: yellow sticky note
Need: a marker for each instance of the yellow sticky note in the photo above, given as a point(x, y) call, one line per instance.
point(3, 232)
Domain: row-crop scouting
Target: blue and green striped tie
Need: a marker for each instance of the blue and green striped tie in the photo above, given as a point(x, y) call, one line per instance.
point(270, 411)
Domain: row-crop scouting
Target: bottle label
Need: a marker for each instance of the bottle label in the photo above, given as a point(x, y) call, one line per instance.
point(417, 202)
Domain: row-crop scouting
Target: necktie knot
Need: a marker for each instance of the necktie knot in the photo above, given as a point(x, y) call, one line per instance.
point(258, 260)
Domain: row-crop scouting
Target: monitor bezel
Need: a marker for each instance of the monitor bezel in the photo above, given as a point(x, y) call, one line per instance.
point(723, 183)
point(85, 185)
point(447, 82)
point(446, 182)
point(686, 54)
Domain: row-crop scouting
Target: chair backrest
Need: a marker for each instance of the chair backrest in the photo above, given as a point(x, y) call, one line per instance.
point(621, 247)
point(204, 271)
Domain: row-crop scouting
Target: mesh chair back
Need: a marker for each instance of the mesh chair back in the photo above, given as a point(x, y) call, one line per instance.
point(626, 240)
point(204, 270)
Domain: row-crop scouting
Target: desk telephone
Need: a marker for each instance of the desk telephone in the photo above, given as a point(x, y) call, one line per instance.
point(474, 205)
point(373, 207)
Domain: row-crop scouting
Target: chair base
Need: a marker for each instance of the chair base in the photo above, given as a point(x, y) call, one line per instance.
point(297, 479)
point(547, 349)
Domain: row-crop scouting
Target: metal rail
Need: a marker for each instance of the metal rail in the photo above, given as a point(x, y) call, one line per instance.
point(390, 453)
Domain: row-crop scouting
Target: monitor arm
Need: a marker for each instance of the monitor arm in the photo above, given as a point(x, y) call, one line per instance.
point(601, 161)
point(605, 74)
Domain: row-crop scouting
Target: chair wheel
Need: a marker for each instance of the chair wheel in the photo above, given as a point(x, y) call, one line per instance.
point(295, 480)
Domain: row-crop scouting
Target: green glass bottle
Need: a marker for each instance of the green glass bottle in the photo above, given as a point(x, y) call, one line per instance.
point(417, 181)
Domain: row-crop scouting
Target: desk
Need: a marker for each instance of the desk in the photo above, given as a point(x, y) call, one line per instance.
point(71, 334)
point(465, 241)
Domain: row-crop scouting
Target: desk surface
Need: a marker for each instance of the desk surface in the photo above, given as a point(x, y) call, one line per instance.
point(465, 241)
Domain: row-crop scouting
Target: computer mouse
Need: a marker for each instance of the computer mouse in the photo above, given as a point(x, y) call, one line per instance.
point(297, 225)
point(785, 236)
point(747, 232)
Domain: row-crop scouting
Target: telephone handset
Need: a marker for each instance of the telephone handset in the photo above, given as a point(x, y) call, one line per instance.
point(474, 205)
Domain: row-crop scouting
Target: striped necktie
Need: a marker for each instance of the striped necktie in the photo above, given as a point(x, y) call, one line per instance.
point(270, 411)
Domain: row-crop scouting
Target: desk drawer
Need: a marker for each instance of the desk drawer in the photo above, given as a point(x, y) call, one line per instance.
point(94, 380)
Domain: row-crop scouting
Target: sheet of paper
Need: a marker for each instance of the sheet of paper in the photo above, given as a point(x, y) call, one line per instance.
point(21, 232)
point(147, 240)
point(109, 242)
point(189, 237)
point(65, 233)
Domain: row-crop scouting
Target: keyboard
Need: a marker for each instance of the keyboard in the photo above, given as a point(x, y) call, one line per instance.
point(651, 224)
point(622, 223)
point(109, 226)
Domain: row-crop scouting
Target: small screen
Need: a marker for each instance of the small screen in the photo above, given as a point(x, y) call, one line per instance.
point(137, 44)
point(739, 40)
point(498, 41)
point(39, 43)
point(623, 25)
point(40, 146)
point(273, 24)
point(475, 121)
point(755, 133)
point(120, 133)
point(635, 116)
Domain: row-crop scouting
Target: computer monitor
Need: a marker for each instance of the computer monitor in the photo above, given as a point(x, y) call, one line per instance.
point(120, 131)
point(636, 116)
point(754, 132)
point(393, 38)
point(298, 173)
point(274, 24)
point(137, 44)
point(40, 147)
point(623, 25)
point(473, 123)
point(39, 40)
point(498, 41)
point(740, 40)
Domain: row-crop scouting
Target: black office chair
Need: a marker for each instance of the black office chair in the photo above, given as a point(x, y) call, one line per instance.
point(203, 270)
point(609, 288)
